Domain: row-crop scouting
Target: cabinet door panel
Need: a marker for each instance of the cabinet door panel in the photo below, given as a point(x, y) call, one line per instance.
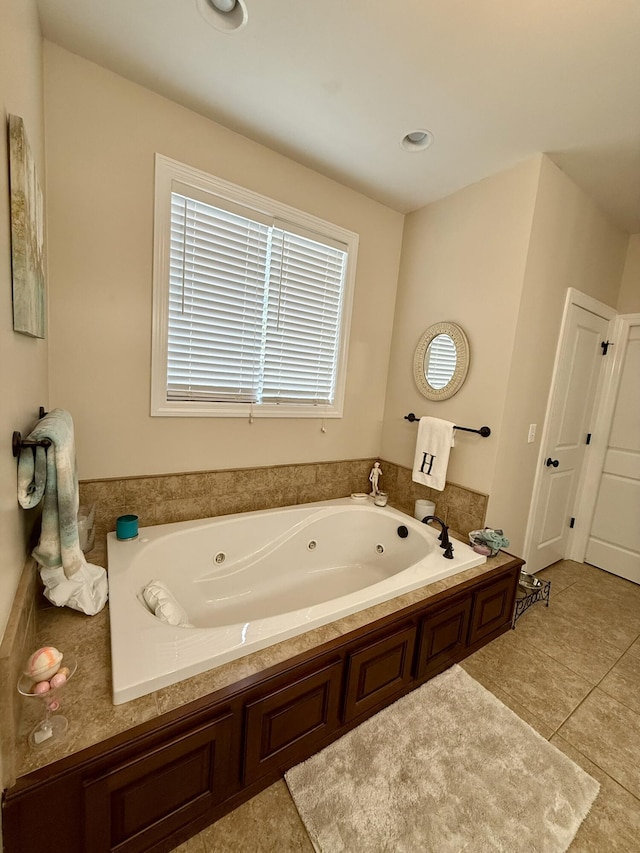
point(283, 726)
point(443, 637)
point(146, 799)
point(492, 608)
point(378, 671)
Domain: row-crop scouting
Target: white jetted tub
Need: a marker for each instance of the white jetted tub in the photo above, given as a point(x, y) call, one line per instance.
point(250, 580)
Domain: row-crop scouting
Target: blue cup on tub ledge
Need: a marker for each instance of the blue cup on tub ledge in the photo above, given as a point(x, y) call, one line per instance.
point(127, 527)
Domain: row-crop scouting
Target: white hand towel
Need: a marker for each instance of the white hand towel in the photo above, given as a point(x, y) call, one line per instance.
point(434, 442)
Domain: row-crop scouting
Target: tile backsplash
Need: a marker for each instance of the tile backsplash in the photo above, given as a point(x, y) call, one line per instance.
point(461, 508)
point(180, 497)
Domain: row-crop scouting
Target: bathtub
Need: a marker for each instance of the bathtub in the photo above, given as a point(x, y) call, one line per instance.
point(252, 579)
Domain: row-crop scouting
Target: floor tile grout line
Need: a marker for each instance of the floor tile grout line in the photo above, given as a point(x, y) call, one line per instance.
point(546, 654)
point(562, 663)
point(602, 770)
point(595, 589)
point(583, 700)
point(566, 665)
point(620, 654)
point(612, 668)
point(579, 674)
point(580, 703)
point(591, 688)
point(619, 701)
point(594, 687)
point(516, 701)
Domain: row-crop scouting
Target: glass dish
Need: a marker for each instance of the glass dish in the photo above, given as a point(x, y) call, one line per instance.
point(53, 726)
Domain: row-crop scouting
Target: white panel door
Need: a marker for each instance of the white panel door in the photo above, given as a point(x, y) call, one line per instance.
point(614, 541)
point(570, 417)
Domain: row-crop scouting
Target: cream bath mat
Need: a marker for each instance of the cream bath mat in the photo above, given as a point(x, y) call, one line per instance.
point(447, 768)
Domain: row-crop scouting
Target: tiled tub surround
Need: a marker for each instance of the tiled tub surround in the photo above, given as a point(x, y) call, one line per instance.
point(182, 497)
point(460, 508)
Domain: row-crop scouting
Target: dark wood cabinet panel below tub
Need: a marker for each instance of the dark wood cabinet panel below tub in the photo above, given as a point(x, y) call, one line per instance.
point(378, 671)
point(442, 637)
point(289, 720)
point(492, 605)
point(146, 799)
point(154, 786)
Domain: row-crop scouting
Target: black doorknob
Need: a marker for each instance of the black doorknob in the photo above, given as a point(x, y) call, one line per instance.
point(554, 462)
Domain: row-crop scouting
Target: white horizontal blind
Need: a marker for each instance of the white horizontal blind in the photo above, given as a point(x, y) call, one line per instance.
point(254, 309)
point(303, 319)
point(216, 303)
point(442, 358)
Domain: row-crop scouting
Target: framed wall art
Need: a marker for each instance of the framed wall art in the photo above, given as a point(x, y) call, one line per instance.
point(27, 235)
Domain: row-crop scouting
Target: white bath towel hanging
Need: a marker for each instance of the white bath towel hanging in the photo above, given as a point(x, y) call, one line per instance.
point(434, 442)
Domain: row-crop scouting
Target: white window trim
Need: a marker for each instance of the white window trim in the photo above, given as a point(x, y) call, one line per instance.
point(169, 174)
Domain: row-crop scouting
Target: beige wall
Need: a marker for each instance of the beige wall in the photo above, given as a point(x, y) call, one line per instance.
point(23, 360)
point(463, 260)
point(102, 135)
point(572, 245)
point(497, 258)
point(629, 297)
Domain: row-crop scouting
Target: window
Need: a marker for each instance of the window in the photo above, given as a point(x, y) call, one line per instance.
point(252, 302)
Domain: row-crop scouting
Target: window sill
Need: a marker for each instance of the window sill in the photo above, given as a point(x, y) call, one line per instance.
point(243, 410)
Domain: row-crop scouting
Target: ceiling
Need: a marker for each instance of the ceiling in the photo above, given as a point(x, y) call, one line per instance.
point(336, 84)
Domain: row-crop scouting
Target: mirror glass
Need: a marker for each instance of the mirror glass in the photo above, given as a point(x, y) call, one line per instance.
point(441, 361)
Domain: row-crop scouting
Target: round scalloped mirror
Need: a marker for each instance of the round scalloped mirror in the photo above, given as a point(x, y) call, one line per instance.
point(441, 361)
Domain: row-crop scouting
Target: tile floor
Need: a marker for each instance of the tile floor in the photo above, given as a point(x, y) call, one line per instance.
point(572, 671)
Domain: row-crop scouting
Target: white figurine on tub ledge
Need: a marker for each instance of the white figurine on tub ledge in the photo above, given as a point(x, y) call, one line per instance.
point(374, 476)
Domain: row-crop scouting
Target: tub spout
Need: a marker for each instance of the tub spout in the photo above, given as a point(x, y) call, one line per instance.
point(445, 542)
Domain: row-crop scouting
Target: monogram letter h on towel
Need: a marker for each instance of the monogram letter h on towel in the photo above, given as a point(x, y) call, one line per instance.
point(433, 444)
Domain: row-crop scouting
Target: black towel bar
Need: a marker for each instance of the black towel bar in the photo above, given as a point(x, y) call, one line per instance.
point(18, 442)
point(484, 431)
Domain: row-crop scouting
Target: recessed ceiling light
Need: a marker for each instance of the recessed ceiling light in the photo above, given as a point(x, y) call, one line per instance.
point(225, 15)
point(416, 140)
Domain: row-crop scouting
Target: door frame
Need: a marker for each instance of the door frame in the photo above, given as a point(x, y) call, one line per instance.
point(588, 303)
point(590, 479)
